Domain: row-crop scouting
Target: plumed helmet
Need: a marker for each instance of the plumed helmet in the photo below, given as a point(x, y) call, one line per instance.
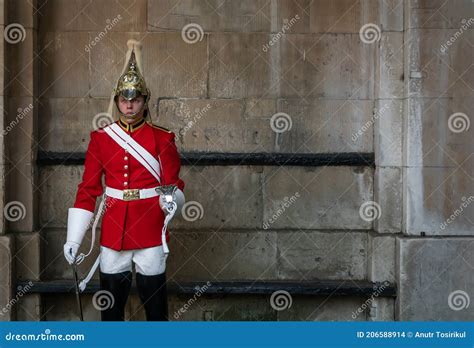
point(131, 82)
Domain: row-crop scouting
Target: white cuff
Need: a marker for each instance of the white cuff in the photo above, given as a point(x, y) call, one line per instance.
point(78, 222)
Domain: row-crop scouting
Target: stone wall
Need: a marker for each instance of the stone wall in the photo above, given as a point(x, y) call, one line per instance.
point(367, 76)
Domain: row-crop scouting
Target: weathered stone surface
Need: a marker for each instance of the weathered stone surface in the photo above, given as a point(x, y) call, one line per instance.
point(438, 195)
point(319, 16)
point(19, 131)
point(439, 201)
point(79, 116)
point(435, 68)
point(343, 16)
point(226, 197)
point(388, 194)
point(29, 308)
point(2, 127)
point(3, 73)
point(21, 11)
point(296, 15)
point(387, 125)
point(20, 198)
point(237, 68)
point(64, 65)
point(439, 133)
point(316, 197)
point(2, 13)
point(28, 256)
point(83, 15)
point(296, 66)
point(224, 125)
point(316, 255)
point(6, 278)
point(223, 255)
point(20, 79)
point(220, 125)
point(324, 126)
point(234, 308)
point(382, 309)
point(259, 308)
point(382, 259)
point(325, 66)
point(331, 308)
point(58, 181)
point(64, 308)
point(391, 77)
point(173, 68)
point(247, 16)
point(436, 279)
point(3, 170)
point(19, 156)
point(438, 13)
point(213, 15)
point(391, 14)
point(54, 266)
point(20, 153)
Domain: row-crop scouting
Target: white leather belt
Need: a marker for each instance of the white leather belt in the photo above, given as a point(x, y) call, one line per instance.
point(131, 194)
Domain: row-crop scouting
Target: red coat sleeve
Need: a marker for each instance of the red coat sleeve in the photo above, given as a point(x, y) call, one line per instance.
point(170, 163)
point(91, 186)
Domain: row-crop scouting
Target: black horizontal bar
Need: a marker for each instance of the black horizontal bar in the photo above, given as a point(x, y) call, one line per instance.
point(314, 288)
point(222, 159)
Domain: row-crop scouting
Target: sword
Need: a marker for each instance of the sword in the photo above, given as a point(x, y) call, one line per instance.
point(78, 294)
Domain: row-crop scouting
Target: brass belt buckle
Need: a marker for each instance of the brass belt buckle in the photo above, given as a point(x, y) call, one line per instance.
point(131, 194)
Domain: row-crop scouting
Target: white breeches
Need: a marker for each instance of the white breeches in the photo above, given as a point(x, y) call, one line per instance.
point(148, 261)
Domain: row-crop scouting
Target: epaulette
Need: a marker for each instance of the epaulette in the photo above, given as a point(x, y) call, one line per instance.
point(162, 128)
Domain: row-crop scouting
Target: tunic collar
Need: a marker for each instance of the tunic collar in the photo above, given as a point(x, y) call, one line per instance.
point(131, 127)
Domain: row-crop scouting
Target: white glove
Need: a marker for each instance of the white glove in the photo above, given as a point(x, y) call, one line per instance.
point(78, 221)
point(178, 197)
point(70, 251)
point(164, 205)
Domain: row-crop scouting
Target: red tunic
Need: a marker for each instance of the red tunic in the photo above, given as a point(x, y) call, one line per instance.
point(138, 223)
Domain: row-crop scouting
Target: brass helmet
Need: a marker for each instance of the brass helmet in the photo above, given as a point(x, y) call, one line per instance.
point(131, 83)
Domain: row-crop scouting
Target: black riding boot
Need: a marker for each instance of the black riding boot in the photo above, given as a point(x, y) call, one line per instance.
point(153, 294)
point(118, 285)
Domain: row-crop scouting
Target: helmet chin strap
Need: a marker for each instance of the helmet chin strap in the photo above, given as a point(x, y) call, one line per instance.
point(131, 115)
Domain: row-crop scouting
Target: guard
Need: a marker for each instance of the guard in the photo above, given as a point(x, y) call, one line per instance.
point(140, 163)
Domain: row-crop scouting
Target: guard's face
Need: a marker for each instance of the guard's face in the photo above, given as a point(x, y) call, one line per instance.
point(130, 107)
